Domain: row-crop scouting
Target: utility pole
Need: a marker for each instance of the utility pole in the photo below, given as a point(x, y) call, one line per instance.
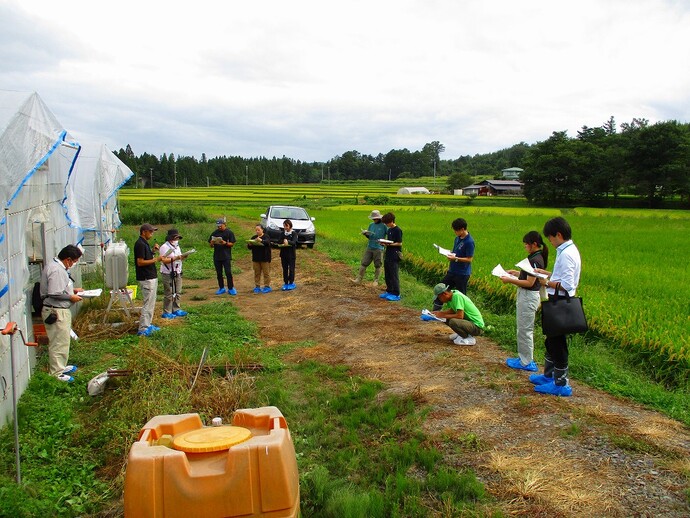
point(151, 169)
point(175, 175)
point(246, 173)
point(434, 173)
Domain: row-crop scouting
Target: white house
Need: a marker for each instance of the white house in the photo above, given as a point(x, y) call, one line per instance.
point(512, 173)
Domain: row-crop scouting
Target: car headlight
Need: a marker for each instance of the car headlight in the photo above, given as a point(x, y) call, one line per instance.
point(273, 226)
point(310, 229)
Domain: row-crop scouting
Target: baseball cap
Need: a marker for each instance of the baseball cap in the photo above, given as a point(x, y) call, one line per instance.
point(220, 222)
point(440, 288)
point(147, 226)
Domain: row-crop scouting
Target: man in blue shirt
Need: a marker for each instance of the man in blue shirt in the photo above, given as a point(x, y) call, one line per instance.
point(374, 250)
point(460, 259)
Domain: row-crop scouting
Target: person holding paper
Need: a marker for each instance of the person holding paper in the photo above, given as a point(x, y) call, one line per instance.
point(374, 250)
point(222, 240)
point(288, 255)
point(171, 274)
point(460, 259)
point(58, 294)
point(461, 315)
point(528, 300)
point(565, 278)
point(147, 277)
point(392, 257)
point(260, 245)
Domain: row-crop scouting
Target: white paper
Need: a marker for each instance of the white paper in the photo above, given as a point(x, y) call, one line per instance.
point(386, 241)
point(430, 314)
point(443, 251)
point(498, 271)
point(90, 294)
point(73, 335)
point(525, 266)
point(189, 252)
point(366, 232)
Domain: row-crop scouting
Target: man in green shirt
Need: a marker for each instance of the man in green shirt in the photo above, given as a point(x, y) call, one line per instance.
point(461, 315)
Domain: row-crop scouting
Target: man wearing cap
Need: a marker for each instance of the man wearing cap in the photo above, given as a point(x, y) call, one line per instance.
point(171, 274)
point(374, 250)
point(145, 268)
point(222, 240)
point(461, 315)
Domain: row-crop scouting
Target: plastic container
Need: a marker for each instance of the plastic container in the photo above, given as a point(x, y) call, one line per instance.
point(180, 468)
point(116, 260)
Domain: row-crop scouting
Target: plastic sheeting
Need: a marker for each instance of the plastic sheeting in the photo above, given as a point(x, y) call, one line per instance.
point(91, 203)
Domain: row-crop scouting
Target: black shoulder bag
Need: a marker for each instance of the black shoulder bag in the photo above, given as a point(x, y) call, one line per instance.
point(563, 315)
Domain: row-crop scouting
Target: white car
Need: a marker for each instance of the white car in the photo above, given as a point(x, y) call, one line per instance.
point(272, 221)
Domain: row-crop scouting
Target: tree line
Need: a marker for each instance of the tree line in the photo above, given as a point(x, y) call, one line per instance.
point(651, 162)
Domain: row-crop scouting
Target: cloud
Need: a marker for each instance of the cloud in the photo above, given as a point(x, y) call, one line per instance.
point(311, 80)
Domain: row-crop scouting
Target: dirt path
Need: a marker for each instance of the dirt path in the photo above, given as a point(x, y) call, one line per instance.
point(588, 455)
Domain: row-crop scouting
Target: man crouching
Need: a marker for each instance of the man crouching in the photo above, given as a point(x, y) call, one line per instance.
point(461, 315)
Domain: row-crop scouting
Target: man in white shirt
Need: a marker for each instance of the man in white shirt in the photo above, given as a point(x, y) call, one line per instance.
point(565, 277)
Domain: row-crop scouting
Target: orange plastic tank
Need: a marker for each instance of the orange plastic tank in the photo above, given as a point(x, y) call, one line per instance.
point(180, 468)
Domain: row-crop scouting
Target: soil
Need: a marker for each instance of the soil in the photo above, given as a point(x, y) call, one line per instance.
point(588, 455)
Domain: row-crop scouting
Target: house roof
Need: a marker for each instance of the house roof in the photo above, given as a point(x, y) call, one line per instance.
point(512, 170)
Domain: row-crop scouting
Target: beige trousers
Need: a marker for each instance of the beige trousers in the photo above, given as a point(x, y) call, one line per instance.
point(58, 338)
point(262, 268)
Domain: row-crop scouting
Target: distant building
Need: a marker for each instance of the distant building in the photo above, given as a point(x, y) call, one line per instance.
point(512, 173)
point(493, 188)
point(413, 190)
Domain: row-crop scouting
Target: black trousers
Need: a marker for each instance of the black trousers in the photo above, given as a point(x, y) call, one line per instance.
point(391, 272)
point(224, 266)
point(288, 264)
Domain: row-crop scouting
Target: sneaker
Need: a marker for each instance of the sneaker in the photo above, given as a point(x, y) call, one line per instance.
point(266, 289)
point(384, 295)
point(181, 313)
point(257, 290)
point(70, 369)
point(145, 332)
point(393, 298)
point(220, 291)
point(232, 291)
point(168, 315)
point(540, 379)
point(515, 363)
point(66, 378)
point(554, 390)
point(465, 341)
point(453, 336)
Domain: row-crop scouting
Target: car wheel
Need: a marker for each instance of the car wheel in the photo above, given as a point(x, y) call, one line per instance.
point(310, 245)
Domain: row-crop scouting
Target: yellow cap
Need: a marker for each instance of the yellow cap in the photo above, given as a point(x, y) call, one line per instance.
point(212, 438)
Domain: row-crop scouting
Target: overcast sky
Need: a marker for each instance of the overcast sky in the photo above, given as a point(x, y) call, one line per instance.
point(313, 79)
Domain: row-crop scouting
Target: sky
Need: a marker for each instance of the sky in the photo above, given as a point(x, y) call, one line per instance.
point(312, 79)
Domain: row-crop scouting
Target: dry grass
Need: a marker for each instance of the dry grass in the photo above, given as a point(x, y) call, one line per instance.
point(552, 482)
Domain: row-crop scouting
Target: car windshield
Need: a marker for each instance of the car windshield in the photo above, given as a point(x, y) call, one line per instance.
point(293, 213)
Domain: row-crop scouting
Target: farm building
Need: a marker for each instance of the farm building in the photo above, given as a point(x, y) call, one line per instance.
point(512, 173)
point(413, 190)
point(494, 188)
point(47, 193)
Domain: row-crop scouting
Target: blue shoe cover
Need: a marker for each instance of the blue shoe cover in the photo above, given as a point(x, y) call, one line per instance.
point(515, 363)
point(257, 290)
point(384, 295)
point(220, 291)
point(393, 298)
point(181, 313)
point(554, 390)
point(285, 287)
point(153, 329)
point(145, 332)
point(540, 379)
point(168, 315)
point(266, 289)
point(291, 286)
point(232, 291)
